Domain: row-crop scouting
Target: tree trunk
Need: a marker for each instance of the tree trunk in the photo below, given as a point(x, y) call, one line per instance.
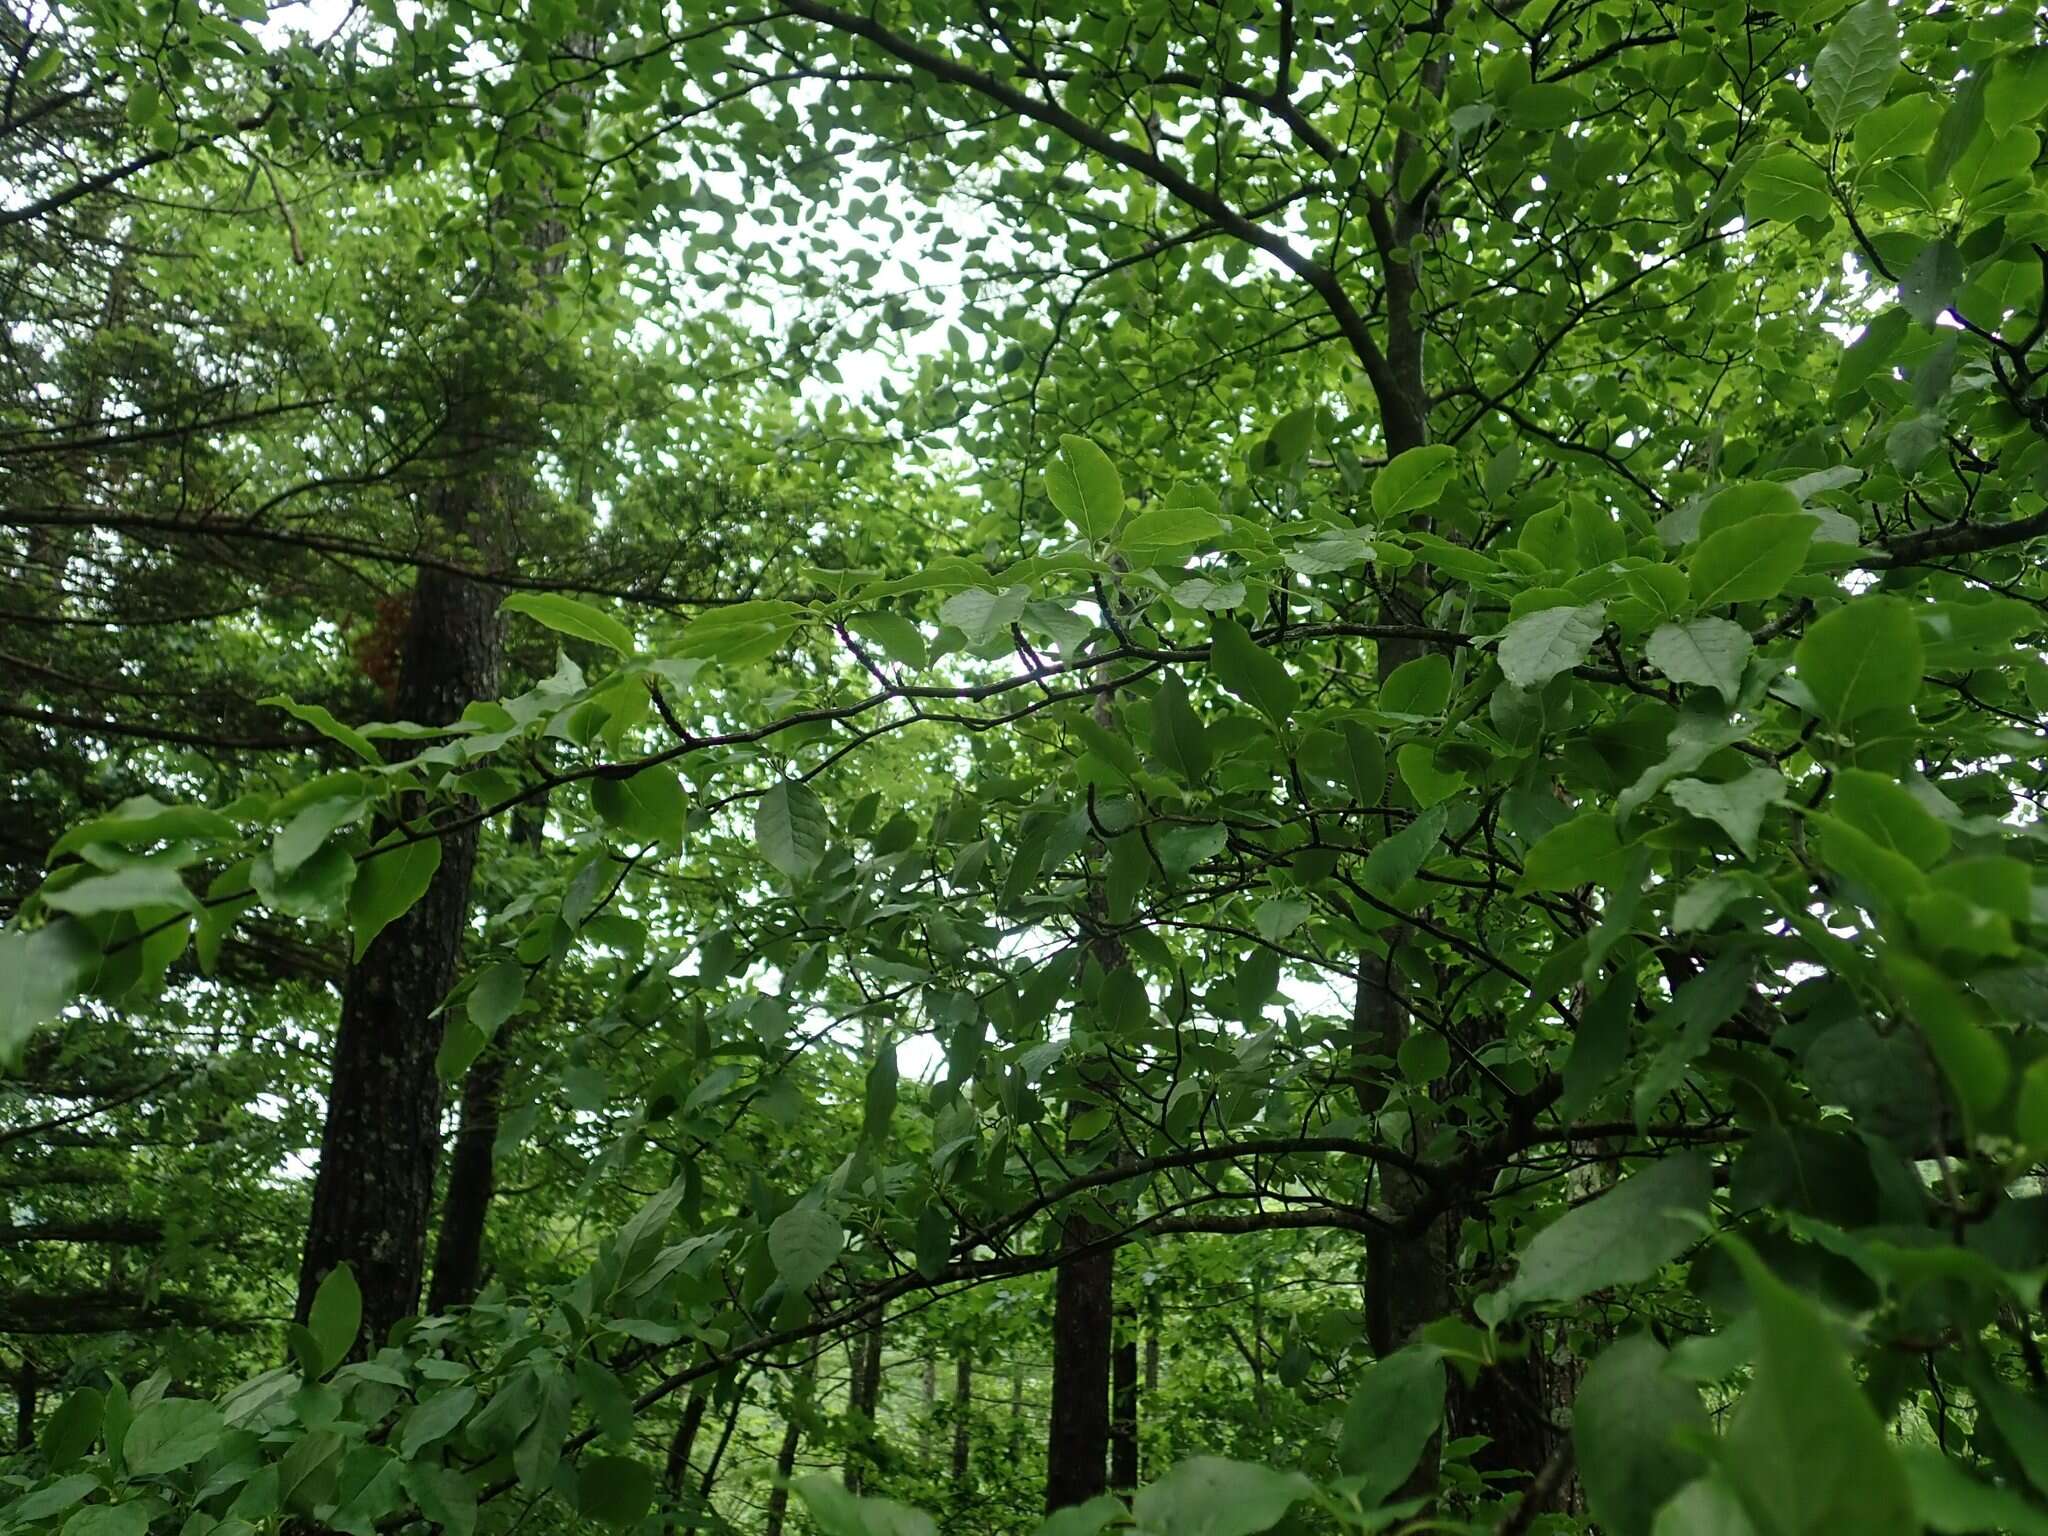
point(863, 1400)
point(963, 1410)
point(472, 1180)
point(375, 1187)
point(785, 1468)
point(1123, 1417)
point(684, 1441)
point(1077, 1438)
point(25, 1388)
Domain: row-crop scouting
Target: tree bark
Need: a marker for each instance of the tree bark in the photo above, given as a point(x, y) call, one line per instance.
point(472, 1180)
point(375, 1186)
point(1123, 1417)
point(684, 1441)
point(963, 1411)
point(864, 1398)
point(1077, 1438)
point(26, 1385)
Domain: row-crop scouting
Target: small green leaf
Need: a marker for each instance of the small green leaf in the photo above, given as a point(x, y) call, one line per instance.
point(1413, 480)
point(1856, 65)
point(616, 1490)
point(1253, 673)
point(568, 616)
point(337, 1316)
point(1418, 687)
point(1634, 1426)
point(1708, 651)
point(1212, 1496)
point(791, 828)
point(1540, 645)
point(1085, 486)
point(327, 725)
point(1785, 185)
point(171, 1433)
point(388, 882)
point(803, 1242)
point(1622, 1238)
point(648, 806)
point(1806, 1450)
point(1395, 1408)
point(1752, 560)
point(1865, 656)
point(1582, 851)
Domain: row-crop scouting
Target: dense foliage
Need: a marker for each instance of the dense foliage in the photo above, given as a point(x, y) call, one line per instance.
point(927, 766)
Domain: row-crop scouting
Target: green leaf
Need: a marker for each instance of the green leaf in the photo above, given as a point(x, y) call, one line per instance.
point(1413, 480)
point(1856, 65)
point(1161, 531)
point(1540, 645)
point(568, 616)
point(1947, 1499)
point(305, 833)
point(388, 882)
point(1906, 127)
point(648, 806)
point(898, 636)
point(803, 1242)
point(741, 633)
point(837, 1512)
point(171, 1433)
point(139, 886)
point(1806, 1451)
point(1865, 656)
point(1930, 281)
point(1887, 813)
point(337, 1316)
point(983, 616)
point(1785, 185)
point(1751, 561)
point(327, 725)
point(434, 1419)
point(1251, 672)
point(791, 828)
point(130, 1519)
point(1179, 739)
point(1418, 687)
point(443, 1494)
point(41, 970)
point(1707, 651)
point(1622, 1238)
point(1737, 806)
point(141, 821)
point(69, 1432)
point(52, 1499)
point(1634, 1426)
point(1395, 860)
point(1395, 1408)
point(1582, 851)
point(616, 1490)
point(1082, 1519)
point(1085, 487)
point(495, 995)
point(1212, 1496)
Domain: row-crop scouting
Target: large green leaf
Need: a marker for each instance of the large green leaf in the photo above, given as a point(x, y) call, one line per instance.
point(1856, 64)
point(1752, 560)
point(1212, 1496)
point(1253, 673)
point(1865, 656)
point(1637, 1430)
point(1413, 480)
point(804, 1241)
point(573, 617)
point(171, 1434)
point(1084, 485)
point(389, 881)
point(791, 828)
point(1538, 646)
point(1621, 1238)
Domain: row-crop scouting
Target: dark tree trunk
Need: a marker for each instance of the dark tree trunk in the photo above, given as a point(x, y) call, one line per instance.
point(375, 1187)
point(25, 1388)
point(1123, 1417)
point(963, 1411)
point(684, 1441)
point(864, 1398)
point(472, 1180)
point(1077, 1439)
point(785, 1468)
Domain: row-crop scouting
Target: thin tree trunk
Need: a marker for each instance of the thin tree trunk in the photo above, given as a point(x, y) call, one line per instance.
point(865, 1402)
point(710, 1478)
point(375, 1186)
point(931, 1399)
point(785, 1455)
point(472, 1181)
point(1077, 1436)
point(684, 1441)
point(26, 1386)
point(1123, 1418)
point(963, 1410)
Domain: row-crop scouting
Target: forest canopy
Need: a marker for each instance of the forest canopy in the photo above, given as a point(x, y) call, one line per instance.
point(872, 767)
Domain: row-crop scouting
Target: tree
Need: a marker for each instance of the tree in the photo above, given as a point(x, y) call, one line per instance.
point(1397, 649)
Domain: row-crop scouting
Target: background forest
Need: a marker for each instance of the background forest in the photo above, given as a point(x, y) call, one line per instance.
point(890, 766)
